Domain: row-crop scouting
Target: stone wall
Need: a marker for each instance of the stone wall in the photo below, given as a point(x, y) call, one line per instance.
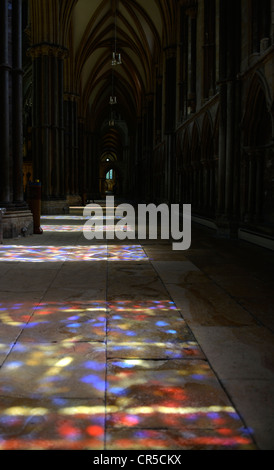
point(17, 224)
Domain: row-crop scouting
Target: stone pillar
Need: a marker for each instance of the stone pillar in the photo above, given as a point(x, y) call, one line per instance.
point(71, 148)
point(192, 31)
point(170, 120)
point(251, 188)
point(5, 193)
point(82, 159)
point(259, 186)
point(170, 89)
point(17, 103)
point(255, 184)
point(223, 114)
point(17, 219)
point(158, 110)
point(48, 124)
point(61, 166)
point(229, 97)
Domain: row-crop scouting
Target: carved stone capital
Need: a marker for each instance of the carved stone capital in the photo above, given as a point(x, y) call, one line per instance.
point(47, 49)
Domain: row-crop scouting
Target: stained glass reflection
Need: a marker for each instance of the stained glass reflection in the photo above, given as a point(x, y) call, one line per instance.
point(67, 322)
point(54, 369)
point(75, 217)
point(38, 254)
point(51, 424)
point(126, 253)
point(146, 336)
point(80, 228)
point(109, 375)
point(62, 228)
point(171, 395)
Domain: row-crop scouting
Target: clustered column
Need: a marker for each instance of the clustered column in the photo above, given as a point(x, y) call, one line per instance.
point(170, 118)
point(11, 129)
point(5, 194)
point(229, 103)
point(192, 31)
point(71, 144)
point(48, 121)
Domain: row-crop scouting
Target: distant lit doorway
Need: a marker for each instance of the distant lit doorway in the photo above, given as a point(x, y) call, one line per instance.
point(110, 182)
point(108, 175)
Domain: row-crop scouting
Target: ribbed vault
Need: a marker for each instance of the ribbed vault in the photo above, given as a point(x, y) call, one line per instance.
point(136, 29)
point(85, 34)
point(133, 28)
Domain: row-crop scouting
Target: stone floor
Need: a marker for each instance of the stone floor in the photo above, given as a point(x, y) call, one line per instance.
point(118, 345)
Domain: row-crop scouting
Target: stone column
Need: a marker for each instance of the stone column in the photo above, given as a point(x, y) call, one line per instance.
point(192, 31)
point(61, 166)
point(222, 150)
point(170, 117)
point(71, 148)
point(48, 124)
point(229, 97)
point(251, 188)
point(17, 103)
point(17, 219)
point(223, 113)
point(82, 159)
point(5, 193)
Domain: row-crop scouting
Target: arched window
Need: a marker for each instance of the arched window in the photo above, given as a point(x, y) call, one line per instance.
point(109, 175)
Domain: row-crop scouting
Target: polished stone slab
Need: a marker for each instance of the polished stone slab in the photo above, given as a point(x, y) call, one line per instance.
point(51, 424)
point(155, 308)
point(134, 282)
point(175, 395)
point(73, 327)
point(68, 370)
point(144, 336)
point(181, 439)
point(173, 349)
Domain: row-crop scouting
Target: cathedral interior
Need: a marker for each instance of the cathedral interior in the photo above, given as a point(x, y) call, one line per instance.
point(126, 344)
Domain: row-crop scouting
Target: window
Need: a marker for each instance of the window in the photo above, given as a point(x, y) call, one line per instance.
point(109, 175)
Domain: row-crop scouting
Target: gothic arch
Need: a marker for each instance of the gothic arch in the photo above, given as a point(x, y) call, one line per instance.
point(197, 171)
point(208, 166)
point(257, 166)
point(187, 170)
point(186, 149)
point(207, 138)
point(258, 121)
point(216, 134)
point(195, 144)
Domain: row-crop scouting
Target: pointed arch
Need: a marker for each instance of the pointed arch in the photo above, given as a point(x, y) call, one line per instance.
point(257, 169)
point(207, 138)
point(195, 143)
point(257, 122)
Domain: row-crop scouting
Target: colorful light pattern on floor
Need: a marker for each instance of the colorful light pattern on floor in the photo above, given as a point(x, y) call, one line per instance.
point(116, 374)
point(79, 392)
point(75, 217)
point(84, 229)
point(156, 396)
point(38, 254)
point(62, 228)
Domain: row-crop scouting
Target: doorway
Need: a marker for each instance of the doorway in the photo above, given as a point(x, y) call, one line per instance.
point(108, 175)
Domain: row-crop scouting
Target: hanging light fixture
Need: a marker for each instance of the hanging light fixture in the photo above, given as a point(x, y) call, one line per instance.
point(116, 57)
point(116, 60)
point(112, 101)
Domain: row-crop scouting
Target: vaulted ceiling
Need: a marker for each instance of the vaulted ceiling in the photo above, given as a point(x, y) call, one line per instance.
point(136, 29)
point(91, 30)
